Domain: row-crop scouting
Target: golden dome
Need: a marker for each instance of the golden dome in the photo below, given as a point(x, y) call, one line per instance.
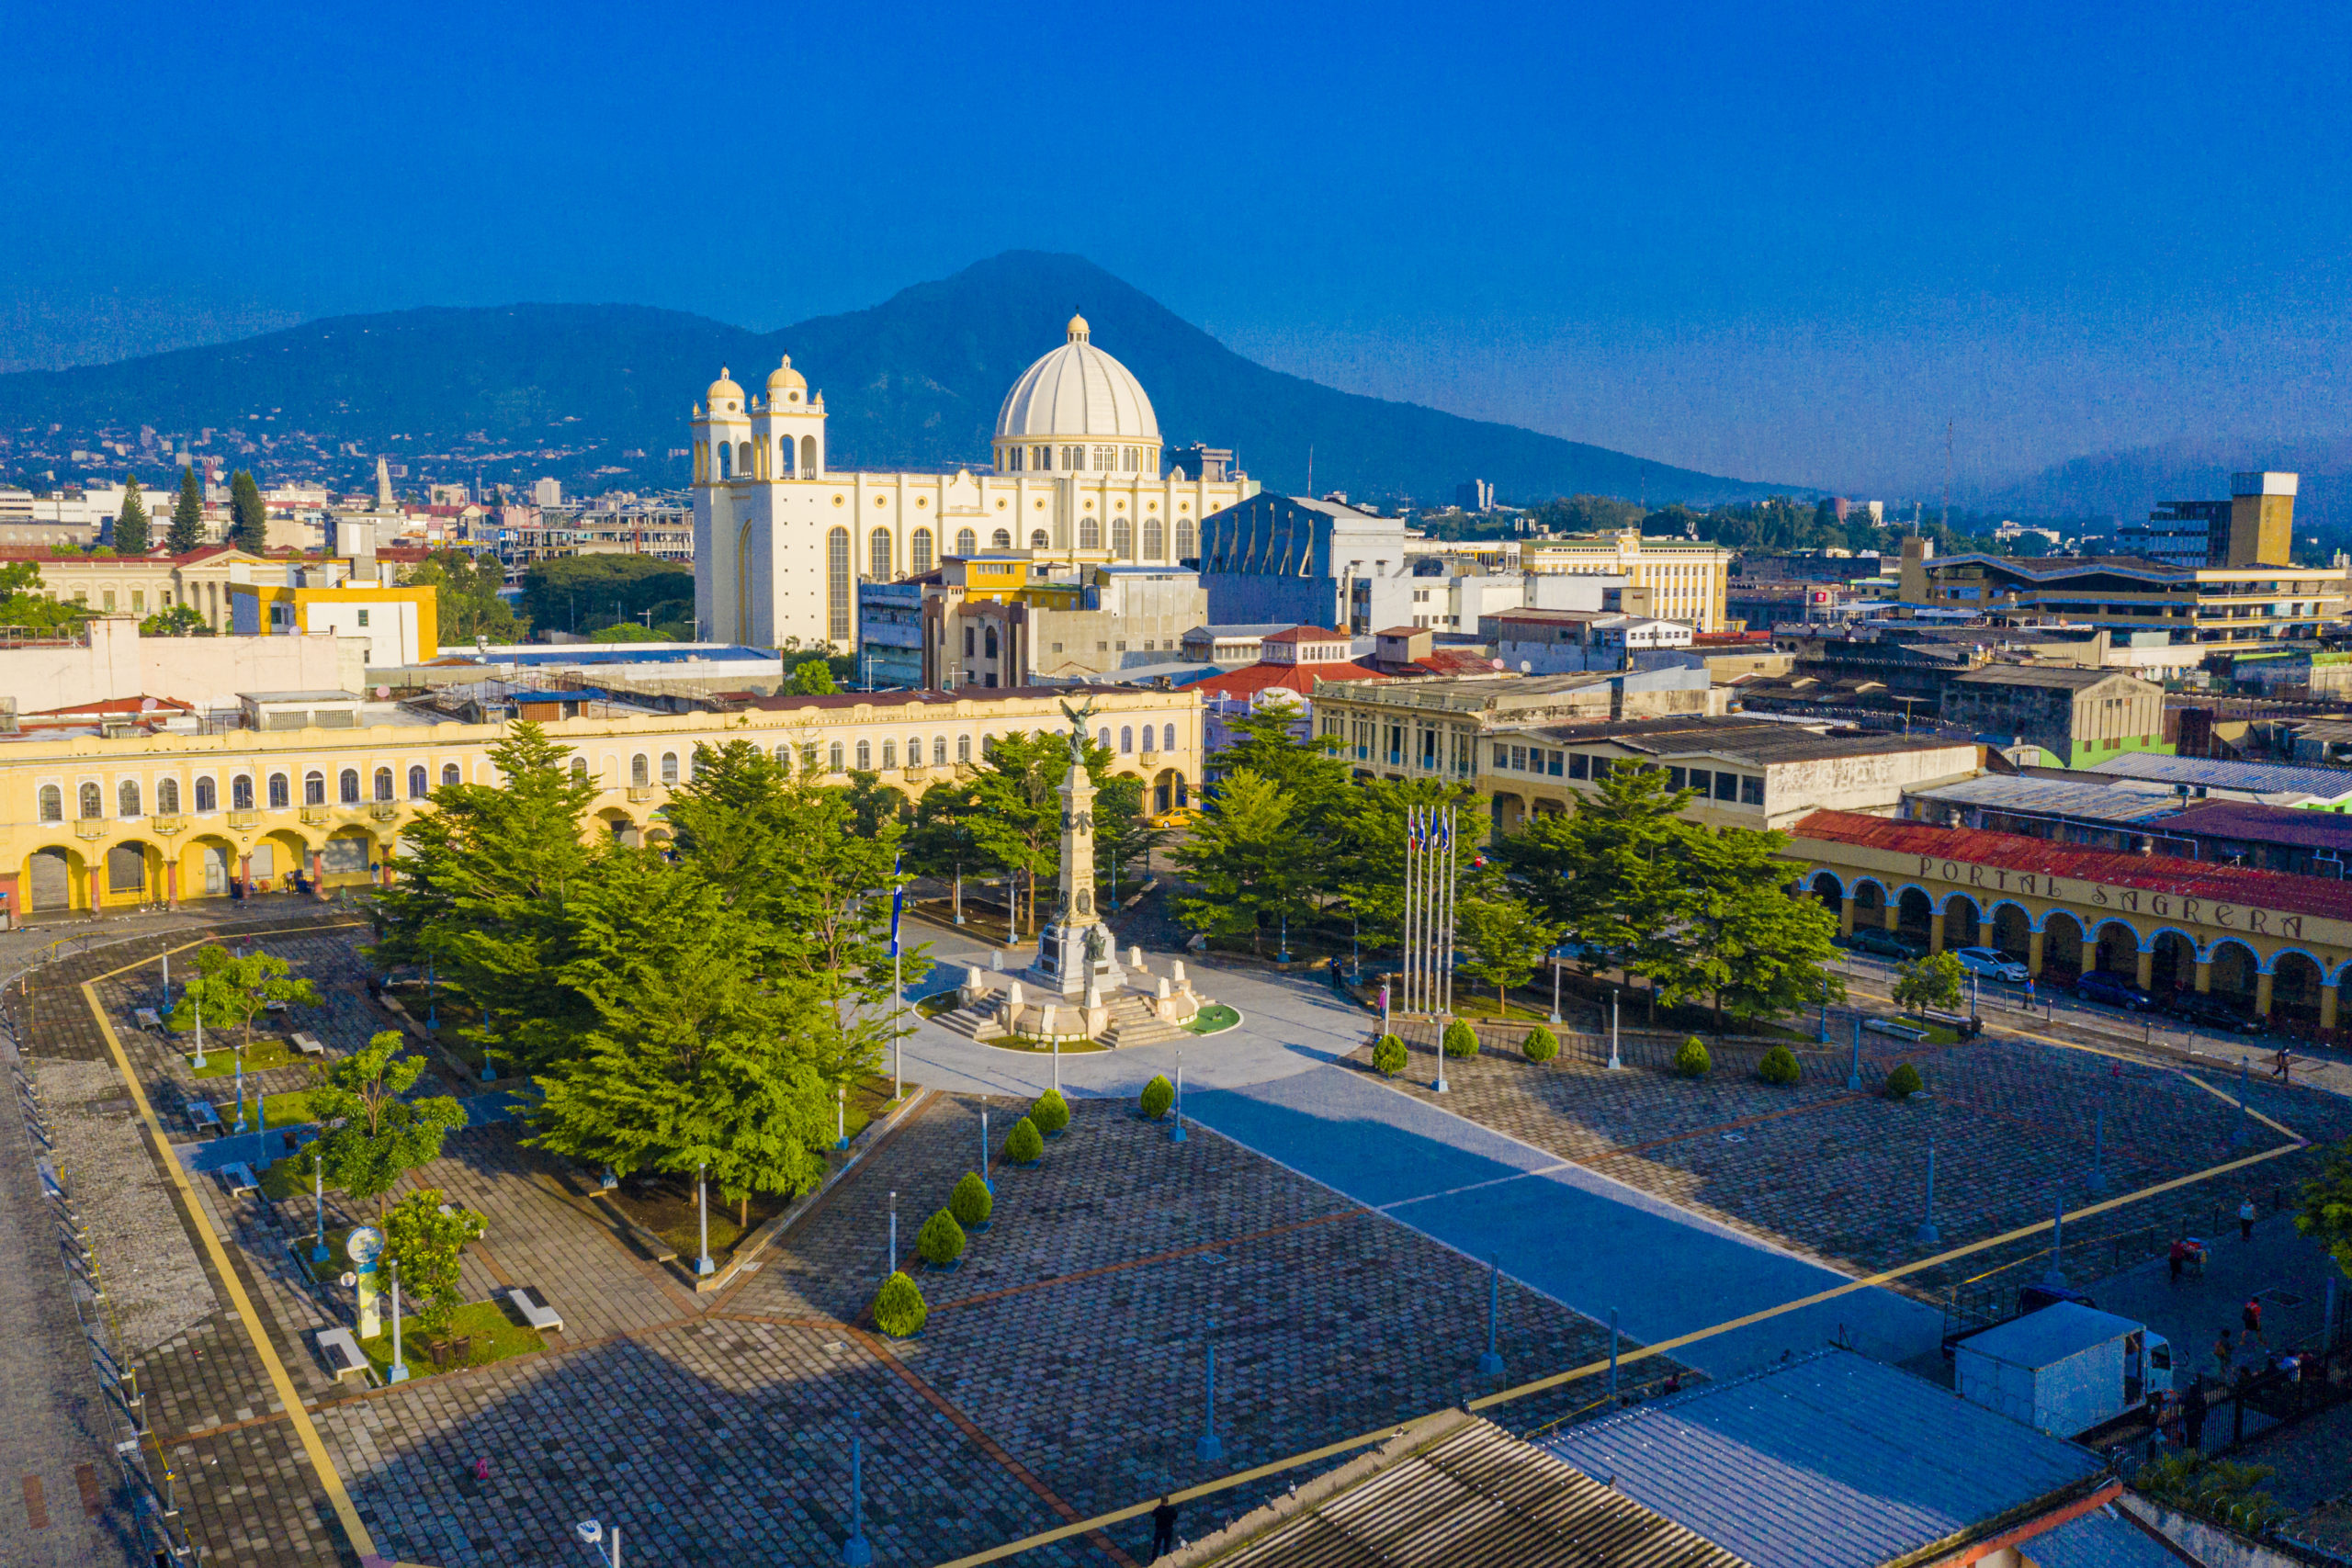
point(1078, 329)
point(783, 381)
point(725, 396)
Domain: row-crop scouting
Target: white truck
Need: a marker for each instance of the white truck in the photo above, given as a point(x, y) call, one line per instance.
point(2063, 1369)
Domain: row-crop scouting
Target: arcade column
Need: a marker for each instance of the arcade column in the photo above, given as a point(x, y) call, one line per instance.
point(2327, 1010)
point(2147, 970)
point(2204, 975)
point(2033, 954)
point(1846, 917)
point(2090, 955)
point(171, 883)
point(1936, 932)
point(2262, 993)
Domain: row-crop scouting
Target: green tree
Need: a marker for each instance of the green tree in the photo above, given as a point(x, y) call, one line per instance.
point(374, 1135)
point(484, 891)
point(131, 527)
point(23, 603)
point(1244, 857)
point(187, 516)
point(466, 598)
point(580, 594)
point(1503, 941)
point(1760, 951)
point(430, 1246)
point(812, 678)
point(231, 992)
point(1605, 873)
point(2326, 1212)
point(695, 1057)
point(1016, 813)
point(1932, 981)
point(874, 803)
point(1309, 772)
point(180, 620)
point(939, 841)
point(248, 516)
point(1124, 832)
point(1361, 846)
point(626, 631)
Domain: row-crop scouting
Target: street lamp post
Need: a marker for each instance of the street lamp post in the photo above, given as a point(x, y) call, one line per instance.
point(893, 1231)
point(400, 1362)
point(319, 1246)
point(856, 1552)
point(1176, 1132)
point(703, 1265)
point(840, 1116)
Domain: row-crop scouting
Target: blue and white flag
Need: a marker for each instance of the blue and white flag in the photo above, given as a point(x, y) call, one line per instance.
point(897, 904)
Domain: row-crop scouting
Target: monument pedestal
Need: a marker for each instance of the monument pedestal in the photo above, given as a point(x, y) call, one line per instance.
point(1064, 966)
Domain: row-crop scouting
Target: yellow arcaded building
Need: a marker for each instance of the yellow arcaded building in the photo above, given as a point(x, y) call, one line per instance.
point(121, 804)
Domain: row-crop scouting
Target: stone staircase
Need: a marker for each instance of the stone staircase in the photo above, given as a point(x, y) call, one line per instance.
point(1132, 1023)
point(966, 1021)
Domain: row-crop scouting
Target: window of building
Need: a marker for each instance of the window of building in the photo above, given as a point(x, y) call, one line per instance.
point(1726, 785)
point(963, 748)
point(1090, 533)
point(314, 788)
point(109, 597)
point(1123, 538)
point(833, 758)
point(1601, 767)
point(383, 783)
point(52, 804)
point(990, 641)
point(362, 620)
point(207, 796)
point(838, 597)
point(1167, 738)
point(1126, 739)
point(451, 774)
point(241, 793)
point(1002, 539)
point(1187, 545)
point(1751, 790)
point(420, 783)
point(939, 750)
point(126, 798)
point(966, 542)
point(138, 602)
point(640, 771)
point(347, 786)
point(1037, 540)
point(1155, 536)
point(669, 767)
point(1106, 458)
point(1073, 458)
point(919, 552)
point(1580, 765)
point(878, 555)
point(1041, 457)
point(281, 792)
point(968, 642)
point(865, 756)
point(889, 754)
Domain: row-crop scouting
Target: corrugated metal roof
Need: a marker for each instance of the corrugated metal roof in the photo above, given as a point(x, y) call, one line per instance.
point(2057, 1331)
point(2015, 851)
point(1480, 1495)
point(2099, 801)
point(1830, 1462)
point(2098, 1540)
point(2066, 677)
point(2269, 778)
point(2265, 824)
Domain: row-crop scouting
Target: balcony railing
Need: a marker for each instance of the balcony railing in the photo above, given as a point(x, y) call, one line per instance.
point(90, 827)
point(383, 810)
point(316, 815)
point(172, 824)
point(244, 819)
point(640, 792)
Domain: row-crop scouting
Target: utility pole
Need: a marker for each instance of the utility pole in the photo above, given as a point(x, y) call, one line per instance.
point(1948, 474)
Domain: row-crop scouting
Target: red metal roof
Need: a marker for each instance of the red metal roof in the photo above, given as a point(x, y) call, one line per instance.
point(1306, 634)
point(1254, 678)
point(2041, 857)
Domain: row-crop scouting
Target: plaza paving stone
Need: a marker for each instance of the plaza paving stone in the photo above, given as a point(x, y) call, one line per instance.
point(1840, 1177)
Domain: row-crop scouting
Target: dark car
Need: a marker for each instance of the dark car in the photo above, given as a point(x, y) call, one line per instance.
point(2212, 1012)
point(2100, 987)
point(1887, 945)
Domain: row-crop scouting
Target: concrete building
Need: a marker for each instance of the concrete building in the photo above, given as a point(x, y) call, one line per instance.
point(1024, 618)
point(105, 659)
point(890, 634)
point(325, 783)
point(2078, 716)
point(344, 598)
point(1555, 642)
point(1230, 646)
point(781, 540)
point(143, 585)
point(1303, 562)
point(2254, 526)
point(1687, 579)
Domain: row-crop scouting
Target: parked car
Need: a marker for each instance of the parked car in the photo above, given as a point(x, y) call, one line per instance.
point(2100, 987)
point(1887, 945)
point(1991, 964)
point(2212, 1012)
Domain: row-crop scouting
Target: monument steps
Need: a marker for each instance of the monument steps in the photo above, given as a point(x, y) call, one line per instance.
point(1133, 1023)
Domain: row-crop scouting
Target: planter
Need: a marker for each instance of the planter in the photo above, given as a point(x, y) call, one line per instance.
point(462, 1348)
point(439, 1351)
point(1056, 1133)
point(902, 1338)
point(943, 1268)
point(1141, 1117)
point(1029, 1164)
point(980, 1229)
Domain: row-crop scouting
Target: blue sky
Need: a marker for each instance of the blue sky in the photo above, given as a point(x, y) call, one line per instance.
point(1779, 241)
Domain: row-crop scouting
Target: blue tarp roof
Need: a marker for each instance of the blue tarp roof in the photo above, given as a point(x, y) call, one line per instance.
point(1830, 1462)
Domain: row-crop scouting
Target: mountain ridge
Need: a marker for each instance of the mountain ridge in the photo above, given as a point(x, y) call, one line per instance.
point(914, 380)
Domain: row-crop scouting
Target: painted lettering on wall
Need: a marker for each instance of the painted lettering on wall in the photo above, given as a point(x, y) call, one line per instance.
point(2130, 900)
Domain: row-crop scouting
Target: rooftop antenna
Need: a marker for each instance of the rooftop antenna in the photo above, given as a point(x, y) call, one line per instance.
point(1946, 518)
point(1310, 471)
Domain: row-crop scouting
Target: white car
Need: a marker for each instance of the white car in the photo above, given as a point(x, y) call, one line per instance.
point(1991, 964)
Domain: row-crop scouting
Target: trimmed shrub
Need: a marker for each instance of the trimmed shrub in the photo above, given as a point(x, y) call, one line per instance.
point(1778, 1066)
point(1158, 1096)
point(1024, 1144)
point(898, 1308)
point(1904, 1081)
point(1388, 1055)
point(971, 1202)
point(1692, 1061)
point(1540, 1045)
point(1051, 1112)
point(941, 1240)
point(1461, 1040)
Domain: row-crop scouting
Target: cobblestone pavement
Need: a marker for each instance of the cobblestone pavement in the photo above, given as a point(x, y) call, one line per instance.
point(1840, 1177)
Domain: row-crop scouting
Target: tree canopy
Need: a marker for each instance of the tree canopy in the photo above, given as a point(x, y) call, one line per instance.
point(187, 515)
point(131, 536)
point(465, 596)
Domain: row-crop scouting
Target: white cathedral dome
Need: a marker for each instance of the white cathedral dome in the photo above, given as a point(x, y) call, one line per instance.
point(1076, 391)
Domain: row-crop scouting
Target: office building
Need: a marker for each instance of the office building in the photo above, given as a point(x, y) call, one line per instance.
point(1291, 559)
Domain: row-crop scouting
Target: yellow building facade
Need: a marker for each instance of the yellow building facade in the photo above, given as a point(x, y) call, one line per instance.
point(93, 823)
point(1687, 579)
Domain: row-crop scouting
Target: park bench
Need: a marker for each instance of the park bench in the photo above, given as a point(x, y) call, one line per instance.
point(1900, 1031)
point(239, 1180)
point(203, 1118)
point(535, 1309)
point(308, 1044)
point(147, 1018)
point(340, 1353)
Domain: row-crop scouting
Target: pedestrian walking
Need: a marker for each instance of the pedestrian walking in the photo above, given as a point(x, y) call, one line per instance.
point(2192, 1417)
point(2177, 1257)
point(2250, 1315)
point(2245, 1218)
point(2223, 1355)
point(1163, 1529)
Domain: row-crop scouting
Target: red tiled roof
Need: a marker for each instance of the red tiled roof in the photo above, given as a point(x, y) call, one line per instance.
point(1454, 661)
point(1303, 634)
point(2041, 857)
point(1253, 679)
point(117, 705)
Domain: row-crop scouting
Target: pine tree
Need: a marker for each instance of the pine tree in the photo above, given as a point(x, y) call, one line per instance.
point(187, 515)
point(249, 518)
point(131, 529)
point(374, 1134)
point(1244, 857)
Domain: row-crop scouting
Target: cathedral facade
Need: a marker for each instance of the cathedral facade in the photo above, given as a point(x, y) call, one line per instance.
point(782, 541)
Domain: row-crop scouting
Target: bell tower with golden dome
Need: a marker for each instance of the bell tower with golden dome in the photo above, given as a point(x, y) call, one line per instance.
point(788, 432)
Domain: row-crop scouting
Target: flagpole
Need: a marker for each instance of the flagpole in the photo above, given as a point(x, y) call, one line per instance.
point(1406, 957)
point(1445, 929)
point(898, 991)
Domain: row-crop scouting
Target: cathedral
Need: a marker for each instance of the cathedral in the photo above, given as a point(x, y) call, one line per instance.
point(781, 541)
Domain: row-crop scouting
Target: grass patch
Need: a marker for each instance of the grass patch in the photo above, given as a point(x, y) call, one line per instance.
point(935, 1007)
point(1214, 1019)
point(1469, 1006)
point(495, 1338)
point(290, 1108)
point(260, 1057)
point(1031, 1044)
